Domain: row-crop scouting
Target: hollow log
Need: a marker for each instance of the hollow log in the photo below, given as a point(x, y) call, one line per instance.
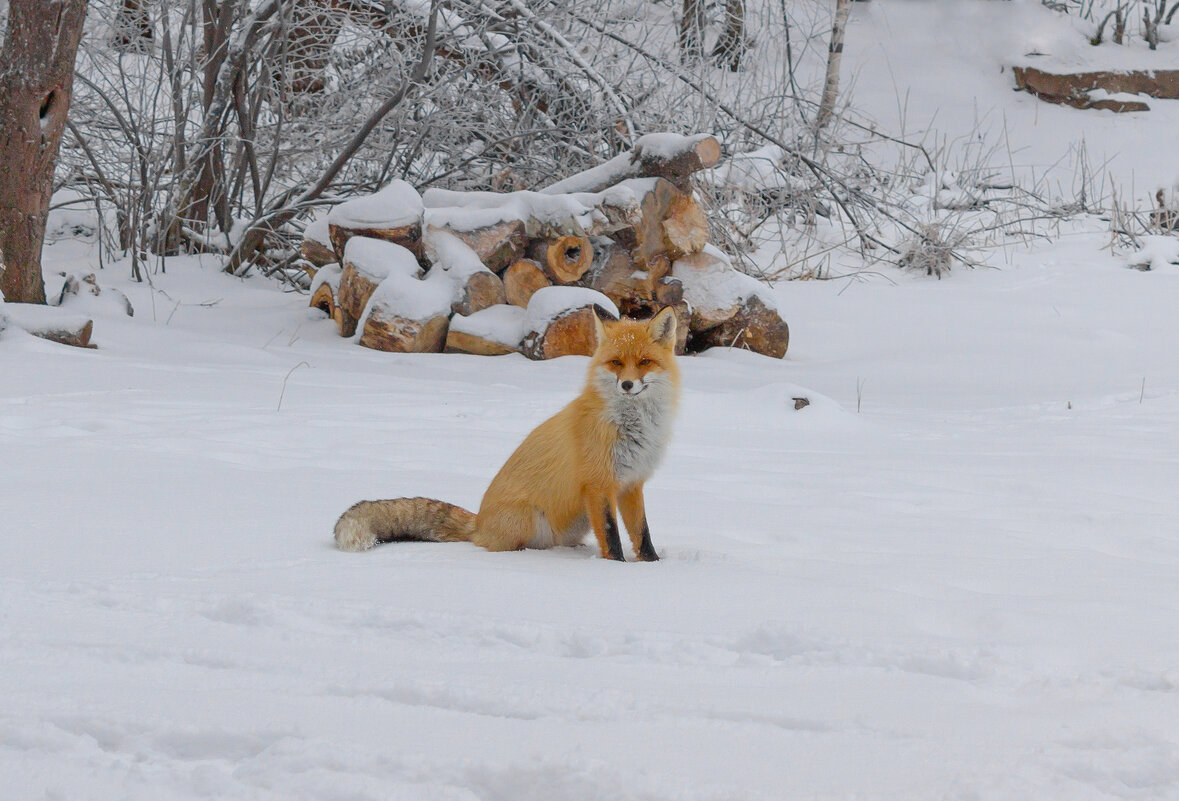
point(324, 298)
point(521, 281)
point(564, 259)
point(754, 326)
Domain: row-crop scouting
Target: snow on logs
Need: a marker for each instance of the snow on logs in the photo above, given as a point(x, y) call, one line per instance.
point(525, 272)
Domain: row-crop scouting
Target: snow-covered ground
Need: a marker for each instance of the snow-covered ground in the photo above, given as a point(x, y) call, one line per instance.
point(965, 590)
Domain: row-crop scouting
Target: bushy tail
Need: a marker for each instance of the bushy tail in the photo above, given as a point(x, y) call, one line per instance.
point(371, 522)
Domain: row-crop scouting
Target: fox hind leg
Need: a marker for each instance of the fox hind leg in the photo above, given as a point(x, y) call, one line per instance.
point(509, 529)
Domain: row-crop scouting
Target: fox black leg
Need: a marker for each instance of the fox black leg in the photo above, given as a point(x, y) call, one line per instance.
point(646, 550)
point(613, 542)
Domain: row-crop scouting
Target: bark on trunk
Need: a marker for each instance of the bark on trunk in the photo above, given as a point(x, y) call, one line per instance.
point(36, 83)
point(731, 46)
point(691, 36)
point(834, 56)
point(132, 26)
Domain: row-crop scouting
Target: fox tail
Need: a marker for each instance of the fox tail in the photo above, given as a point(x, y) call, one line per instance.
point(369, 523)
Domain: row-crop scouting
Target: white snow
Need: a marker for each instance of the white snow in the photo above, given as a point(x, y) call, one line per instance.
point(568, 213)
point(317, 231)
point(550, 302)
point(504, 324)
point(965, 591)
point(378, 258)
point(1157, 253)
point(411, 298)
point(396, 205)
point(710, 281)
point(329, 274)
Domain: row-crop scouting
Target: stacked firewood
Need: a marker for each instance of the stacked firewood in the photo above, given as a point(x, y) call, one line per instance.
point(492, 273)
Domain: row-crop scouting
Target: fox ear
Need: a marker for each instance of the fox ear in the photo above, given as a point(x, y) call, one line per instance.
point(599, 329)
point(662, 328)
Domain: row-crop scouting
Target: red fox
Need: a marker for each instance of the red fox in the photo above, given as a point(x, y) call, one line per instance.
point(571, 472)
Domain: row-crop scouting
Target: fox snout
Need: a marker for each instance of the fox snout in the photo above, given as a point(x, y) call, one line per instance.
point(629, 387)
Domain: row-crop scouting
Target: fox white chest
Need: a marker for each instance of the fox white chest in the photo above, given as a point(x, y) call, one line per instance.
point(644, 429)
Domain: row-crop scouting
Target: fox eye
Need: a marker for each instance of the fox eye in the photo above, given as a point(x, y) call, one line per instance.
point(616, 362)
point(644, 362)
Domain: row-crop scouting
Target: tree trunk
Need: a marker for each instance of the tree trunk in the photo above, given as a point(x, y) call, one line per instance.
point(36, 82)
point(132, 25)
point(691, 36)
point(834, 56)
point(731, 46)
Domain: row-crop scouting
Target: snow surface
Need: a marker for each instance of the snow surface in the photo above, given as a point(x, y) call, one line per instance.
point(966, 591)
point(504, 324)
point(317, 231)
point(396, 205)
point(1157, 253)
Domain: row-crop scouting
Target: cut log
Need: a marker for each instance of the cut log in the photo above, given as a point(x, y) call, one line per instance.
point(560, 322)
point(317, 253)
point(564, 259)
point(491, 332)
point(542, 216)
point(659, 155)
point(475, 287)
point(48, 322)
point(77, 336)
point(368, 262)
point(669, 291)
point(324, 298)
point(713, 289)
point(754, 327)
point(389, 332)
point(521, 281)
point(407, 236)
point(1073, 88)
point(481, 290)
point(615, 274)
point(393, 214)
point(317, 243)
point(408, 315)
point(498, 245)
point(672, 225)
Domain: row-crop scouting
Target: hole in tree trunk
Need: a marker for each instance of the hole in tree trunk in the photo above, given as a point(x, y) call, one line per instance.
point(48, 104)
point(573, 255)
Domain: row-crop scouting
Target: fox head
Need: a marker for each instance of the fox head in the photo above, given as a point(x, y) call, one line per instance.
point(635, 356)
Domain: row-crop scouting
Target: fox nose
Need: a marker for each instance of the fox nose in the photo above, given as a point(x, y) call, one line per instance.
point(626, 385)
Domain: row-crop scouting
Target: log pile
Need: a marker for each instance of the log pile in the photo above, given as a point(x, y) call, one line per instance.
point(492, 273)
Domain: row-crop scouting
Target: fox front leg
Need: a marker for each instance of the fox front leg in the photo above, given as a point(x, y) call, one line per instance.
point(634, 514)
point(601, 515)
